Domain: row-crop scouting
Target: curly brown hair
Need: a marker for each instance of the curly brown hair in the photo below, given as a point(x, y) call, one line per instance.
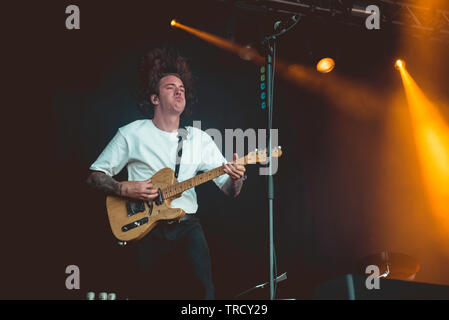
point(155, 65)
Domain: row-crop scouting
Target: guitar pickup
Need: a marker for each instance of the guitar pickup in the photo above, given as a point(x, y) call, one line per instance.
point(134, 224)
point(160, 199)
point(134, 207)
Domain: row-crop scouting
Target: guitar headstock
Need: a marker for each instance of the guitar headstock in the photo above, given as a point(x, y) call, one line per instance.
point(261, 155)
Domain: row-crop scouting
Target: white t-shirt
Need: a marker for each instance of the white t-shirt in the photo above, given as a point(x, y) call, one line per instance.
point(146, 149)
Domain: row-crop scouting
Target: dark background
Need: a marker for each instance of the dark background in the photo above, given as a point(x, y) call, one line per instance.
point(72, 89)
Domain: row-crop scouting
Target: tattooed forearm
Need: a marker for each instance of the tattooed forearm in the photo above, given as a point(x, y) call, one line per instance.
point(232, 188)
point(103, 182)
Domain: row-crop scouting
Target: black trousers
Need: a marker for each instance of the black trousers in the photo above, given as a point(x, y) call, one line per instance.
point(162, 253)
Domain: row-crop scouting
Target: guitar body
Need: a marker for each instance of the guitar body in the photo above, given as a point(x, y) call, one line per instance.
point(132, 219)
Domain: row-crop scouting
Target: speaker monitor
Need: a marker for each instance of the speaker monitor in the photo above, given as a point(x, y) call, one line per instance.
point(353, 287)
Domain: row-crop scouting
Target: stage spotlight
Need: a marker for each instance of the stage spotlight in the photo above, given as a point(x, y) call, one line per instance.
point(399, 64)
point(431, 132)
point(247, 53)
point(173, 23)
point(325, 65)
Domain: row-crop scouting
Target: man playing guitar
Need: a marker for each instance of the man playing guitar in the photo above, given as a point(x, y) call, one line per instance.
point(147, 146)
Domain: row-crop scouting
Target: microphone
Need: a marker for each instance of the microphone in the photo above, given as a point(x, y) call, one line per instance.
point(283, 26)
point(277, 24)
point(286, 24)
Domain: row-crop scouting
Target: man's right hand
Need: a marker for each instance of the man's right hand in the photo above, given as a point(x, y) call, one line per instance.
point(140, 190)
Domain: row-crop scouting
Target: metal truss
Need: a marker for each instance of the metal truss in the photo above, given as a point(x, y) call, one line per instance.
point(419, 20)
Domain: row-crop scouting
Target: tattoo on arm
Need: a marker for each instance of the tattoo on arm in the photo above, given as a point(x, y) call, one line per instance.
point(103, 182)
point(232, 188)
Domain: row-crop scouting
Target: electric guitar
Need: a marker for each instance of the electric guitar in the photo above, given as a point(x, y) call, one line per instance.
point(132, 219)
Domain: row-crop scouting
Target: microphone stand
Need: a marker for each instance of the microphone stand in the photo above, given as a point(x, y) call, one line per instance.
point(270, 42)
point(280, 278)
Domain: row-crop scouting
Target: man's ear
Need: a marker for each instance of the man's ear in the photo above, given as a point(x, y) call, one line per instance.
point(154, 99)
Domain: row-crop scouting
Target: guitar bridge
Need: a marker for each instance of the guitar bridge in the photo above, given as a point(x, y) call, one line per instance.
point(134, 224)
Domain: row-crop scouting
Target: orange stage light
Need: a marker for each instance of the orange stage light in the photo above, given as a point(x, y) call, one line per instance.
point(343, 93)
point(325, 65)
point(399, 64)
point(431, 134)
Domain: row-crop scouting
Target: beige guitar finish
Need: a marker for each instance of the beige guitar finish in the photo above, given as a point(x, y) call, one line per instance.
point(128, 225)
point(118, 215)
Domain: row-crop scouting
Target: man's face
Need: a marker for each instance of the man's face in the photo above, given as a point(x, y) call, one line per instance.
point(171, 95)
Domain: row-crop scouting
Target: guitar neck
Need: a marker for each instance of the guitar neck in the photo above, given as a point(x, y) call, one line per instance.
point(180, 187)
point(252, 157)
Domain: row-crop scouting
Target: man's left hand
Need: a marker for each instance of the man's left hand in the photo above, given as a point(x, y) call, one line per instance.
point(234, 170)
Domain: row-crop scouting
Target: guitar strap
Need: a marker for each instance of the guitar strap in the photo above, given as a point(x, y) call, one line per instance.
point(182, 135)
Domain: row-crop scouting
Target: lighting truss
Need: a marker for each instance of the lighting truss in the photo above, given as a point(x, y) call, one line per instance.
point(418, 20)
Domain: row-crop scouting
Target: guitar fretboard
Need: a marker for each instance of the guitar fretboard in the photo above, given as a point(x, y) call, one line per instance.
point(180, 187)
